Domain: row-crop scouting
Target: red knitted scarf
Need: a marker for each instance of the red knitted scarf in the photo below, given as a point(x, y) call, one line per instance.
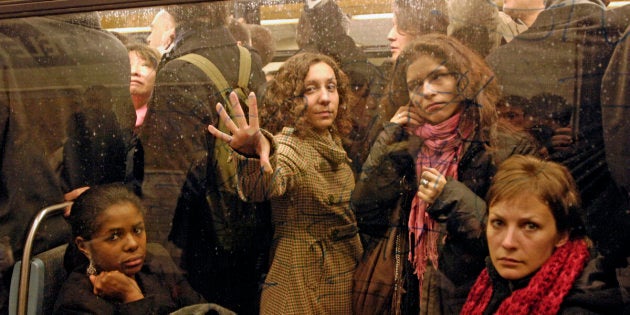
point(545, 291)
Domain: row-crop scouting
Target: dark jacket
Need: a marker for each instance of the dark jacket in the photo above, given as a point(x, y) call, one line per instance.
point(66, 117)
point(564, 55)
point(184, 100)
point(164, 288)
point(389, 174)
point(595, 291)
point(174, 135)
point(181, 169)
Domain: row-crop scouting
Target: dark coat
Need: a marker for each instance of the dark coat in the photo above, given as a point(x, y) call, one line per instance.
point(389, 174)
point(184, 100)
point(180, 170)
point(616, 105)
point(563, 56)
point(164, 288)
point(174, 135)
point(66, 117)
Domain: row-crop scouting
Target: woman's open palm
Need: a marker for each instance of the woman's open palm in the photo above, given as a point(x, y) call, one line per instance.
point(245, 137)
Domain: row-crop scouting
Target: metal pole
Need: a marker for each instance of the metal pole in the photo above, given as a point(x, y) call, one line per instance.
point(25, 270)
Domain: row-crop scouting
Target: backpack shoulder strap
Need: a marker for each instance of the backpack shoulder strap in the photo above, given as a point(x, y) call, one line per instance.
point(211, 71)
point(245, 68)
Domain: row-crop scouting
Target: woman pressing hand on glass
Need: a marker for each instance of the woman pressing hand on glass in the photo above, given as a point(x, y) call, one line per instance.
point(299, 164)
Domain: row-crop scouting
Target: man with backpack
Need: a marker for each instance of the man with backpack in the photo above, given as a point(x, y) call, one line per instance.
point(187, 174)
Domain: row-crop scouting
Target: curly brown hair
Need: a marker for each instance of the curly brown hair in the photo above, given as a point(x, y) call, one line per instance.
point(476, 83)
point(284, 102)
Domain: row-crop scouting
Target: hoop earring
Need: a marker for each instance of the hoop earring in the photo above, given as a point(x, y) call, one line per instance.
point(90, 271)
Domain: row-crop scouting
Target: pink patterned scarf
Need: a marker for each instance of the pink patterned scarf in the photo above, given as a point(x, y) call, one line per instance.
point(441, 149)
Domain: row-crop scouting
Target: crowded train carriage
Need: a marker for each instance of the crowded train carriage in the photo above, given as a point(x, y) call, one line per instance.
point(314, 156)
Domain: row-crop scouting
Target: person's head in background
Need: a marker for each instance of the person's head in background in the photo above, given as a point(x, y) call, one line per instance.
point(240, 32)
point(144, 62)
point(175, 20)
point(513, 110)
point(533, 208)
point(524, 10)
point(107, 224)
point(263, 42)
point(441, 77)
point(309, 92)
point(413, 18)
point(162, 34)
point(207, 15)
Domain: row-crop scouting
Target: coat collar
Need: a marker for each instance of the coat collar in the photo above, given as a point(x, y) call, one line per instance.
point(329, 148)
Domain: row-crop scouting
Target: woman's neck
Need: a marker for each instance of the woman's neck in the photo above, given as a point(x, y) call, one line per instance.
point(139, 100)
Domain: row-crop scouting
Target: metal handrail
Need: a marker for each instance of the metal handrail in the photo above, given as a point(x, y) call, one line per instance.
point(25, 269)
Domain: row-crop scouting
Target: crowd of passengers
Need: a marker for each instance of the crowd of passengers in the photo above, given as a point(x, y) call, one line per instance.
point(482, 169)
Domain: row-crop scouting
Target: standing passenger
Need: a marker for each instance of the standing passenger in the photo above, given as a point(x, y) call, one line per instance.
point(144, 62)
point(411, 19)
point(66, 120)
point(183, 186)
point(305, 172)
point(431, 165)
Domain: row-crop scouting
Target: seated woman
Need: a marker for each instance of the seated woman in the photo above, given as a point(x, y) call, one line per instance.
point(113, 273)
point(539, 256)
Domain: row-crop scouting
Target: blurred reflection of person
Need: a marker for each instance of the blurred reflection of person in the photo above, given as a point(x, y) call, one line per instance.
point(569, 34)
point(222, 248)
point(615, 113)
point(413, 18)
point(66, 119)
point(162, 34)
point(482, 26)
point(144, 62)
point(263, 42)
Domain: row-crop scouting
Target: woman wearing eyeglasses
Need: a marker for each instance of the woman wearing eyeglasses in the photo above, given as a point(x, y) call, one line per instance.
point(433, 164)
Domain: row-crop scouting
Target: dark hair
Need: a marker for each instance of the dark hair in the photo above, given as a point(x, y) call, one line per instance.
point(263, 42)
point(212, 14)
point(418, 17)
point(85, 216)
point(145, 52)
point(284, 100)
point(550, 182)
point(86, 209)
point(239, 31)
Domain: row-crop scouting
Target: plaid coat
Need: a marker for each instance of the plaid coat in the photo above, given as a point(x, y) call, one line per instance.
point(316, 246)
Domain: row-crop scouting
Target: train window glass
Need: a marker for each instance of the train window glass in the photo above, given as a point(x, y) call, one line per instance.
point(94, 91)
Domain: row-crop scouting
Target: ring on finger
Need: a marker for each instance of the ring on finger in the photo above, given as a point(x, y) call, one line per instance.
point(424, 182)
